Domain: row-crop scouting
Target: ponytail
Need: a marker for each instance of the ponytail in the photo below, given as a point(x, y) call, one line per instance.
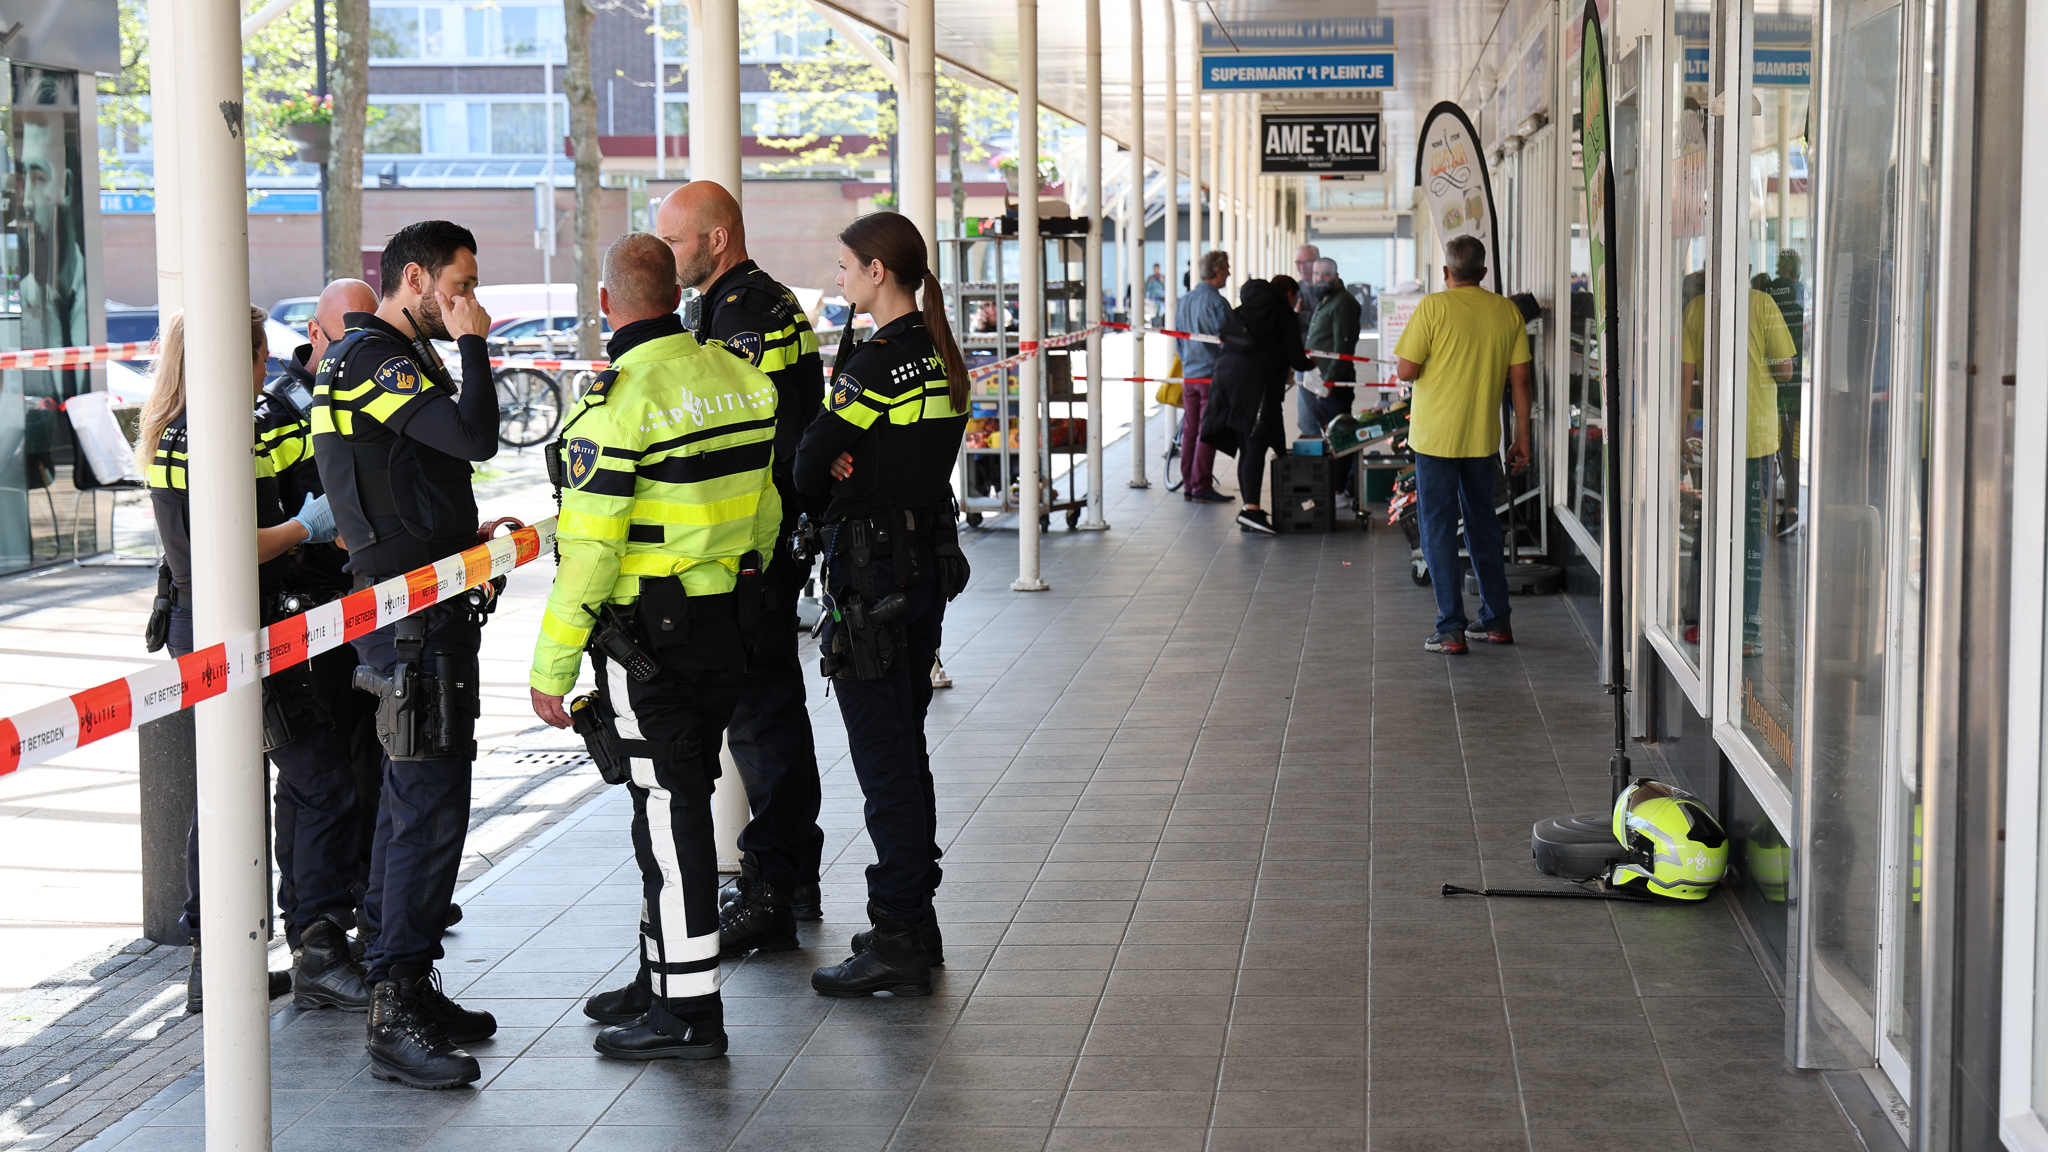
point(893, 240)
point(942, 339)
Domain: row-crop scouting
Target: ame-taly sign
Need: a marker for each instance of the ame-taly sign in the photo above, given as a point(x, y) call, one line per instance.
point(1331, 142)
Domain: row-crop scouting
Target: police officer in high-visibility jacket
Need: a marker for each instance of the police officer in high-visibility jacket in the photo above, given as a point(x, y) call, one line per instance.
point(757, 318)
point(884, 451)
point(394, 446)
point(668, 521)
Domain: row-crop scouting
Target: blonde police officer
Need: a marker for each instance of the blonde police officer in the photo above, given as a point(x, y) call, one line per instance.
point(668, 516)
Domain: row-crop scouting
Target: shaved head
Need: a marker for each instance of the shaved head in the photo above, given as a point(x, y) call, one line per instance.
point(639, 279)
point(702, 223)
point(337, 300)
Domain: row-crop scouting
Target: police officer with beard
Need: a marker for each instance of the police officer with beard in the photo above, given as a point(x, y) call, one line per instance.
point(394, 445)
point(759, 320)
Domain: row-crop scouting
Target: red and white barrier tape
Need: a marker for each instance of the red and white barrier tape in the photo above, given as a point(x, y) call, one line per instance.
point(1205, 338)
point(60, 726)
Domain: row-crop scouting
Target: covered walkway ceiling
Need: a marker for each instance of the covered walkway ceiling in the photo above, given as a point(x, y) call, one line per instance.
point(1437, 43)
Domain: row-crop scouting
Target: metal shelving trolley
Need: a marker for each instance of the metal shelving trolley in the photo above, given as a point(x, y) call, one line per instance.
point(979, 277)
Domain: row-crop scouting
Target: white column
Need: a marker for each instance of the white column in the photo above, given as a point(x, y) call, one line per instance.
point(918, 130)
point(234, 868)
point(1091, 276)
point(1136, 226)
point(660, 91)
point(163, 82)
point(1215, 173)
point(715, 92)
point(1171, 266)
point(1198, 242)
point(1030, 301)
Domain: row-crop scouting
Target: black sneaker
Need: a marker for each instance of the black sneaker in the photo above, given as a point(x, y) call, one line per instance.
point(1490, 633)
point(1255, 520)
point(694, 1031)
point(405, 1045)
point(893, 962)
point(1448, 643)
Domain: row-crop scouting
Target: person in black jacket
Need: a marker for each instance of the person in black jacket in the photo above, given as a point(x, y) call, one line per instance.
point(1261, 346)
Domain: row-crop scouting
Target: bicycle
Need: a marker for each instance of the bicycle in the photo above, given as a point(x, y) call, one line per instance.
point(529, 406)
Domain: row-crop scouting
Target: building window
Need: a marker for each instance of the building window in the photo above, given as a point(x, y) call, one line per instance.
point(396, 131)
point(463, 32)
point(515, 126)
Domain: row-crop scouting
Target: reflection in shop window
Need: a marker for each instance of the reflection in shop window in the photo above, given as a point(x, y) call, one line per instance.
point(43, 303)
point(1687, 261)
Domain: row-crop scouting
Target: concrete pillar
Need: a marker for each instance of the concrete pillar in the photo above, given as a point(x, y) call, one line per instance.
point(234, 879)
point(1171, 266)
point(1091, 276)
point(1136, 225)
point(918, 130)
point(715, 92)
point(1030, 301)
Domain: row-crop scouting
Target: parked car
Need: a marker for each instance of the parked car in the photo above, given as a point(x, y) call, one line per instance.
point(133, 325)
point(294, 311)
point(527, 334)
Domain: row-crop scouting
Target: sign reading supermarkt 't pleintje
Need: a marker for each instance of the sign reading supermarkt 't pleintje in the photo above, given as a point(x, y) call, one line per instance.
point(1325, 71)
point(1320, 142)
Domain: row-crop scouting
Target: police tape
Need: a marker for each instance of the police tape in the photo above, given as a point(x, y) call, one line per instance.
point(52, 729)
point(1205, 338)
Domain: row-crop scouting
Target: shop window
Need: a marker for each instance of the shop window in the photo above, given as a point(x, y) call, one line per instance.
point(1683, 487)
point(1585, 411)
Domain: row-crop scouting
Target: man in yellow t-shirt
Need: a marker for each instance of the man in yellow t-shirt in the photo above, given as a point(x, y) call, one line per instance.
point(1772, 359)
point(1460, 347)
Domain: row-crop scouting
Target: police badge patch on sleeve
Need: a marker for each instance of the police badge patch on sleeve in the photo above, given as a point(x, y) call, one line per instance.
point(845, 391)
point(582, 461)
point(400, 375)
point(747, 345)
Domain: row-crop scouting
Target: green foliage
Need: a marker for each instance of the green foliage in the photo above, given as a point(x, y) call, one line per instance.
point(277, 77)
point(816, 105)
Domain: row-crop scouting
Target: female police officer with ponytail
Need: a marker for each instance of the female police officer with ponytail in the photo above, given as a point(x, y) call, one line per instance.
point(883, 451)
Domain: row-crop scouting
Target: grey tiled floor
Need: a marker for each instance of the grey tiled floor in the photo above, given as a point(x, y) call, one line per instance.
point(1198, 800)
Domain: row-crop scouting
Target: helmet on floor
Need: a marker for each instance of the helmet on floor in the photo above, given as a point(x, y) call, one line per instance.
point(1675, 846)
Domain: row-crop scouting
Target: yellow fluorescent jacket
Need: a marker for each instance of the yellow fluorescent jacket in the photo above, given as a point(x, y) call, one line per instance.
point(668, 472)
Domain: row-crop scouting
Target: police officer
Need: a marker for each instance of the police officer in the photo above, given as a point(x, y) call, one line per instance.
point(884, 451)
point(760, 320)
point(313, 792)
point(393, 447)
point(668, 515)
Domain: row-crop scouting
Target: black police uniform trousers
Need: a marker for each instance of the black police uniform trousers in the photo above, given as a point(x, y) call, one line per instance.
point(688, 703)
point(771, 741)
point(885, 733)
point(422, 815)
point(315, 806)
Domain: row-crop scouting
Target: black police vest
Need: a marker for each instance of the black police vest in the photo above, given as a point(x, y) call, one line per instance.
point(399, 504)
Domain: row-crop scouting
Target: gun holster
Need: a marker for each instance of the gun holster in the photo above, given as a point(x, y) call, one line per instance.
point(422, 710)
point(290, 707)
point(593, 718)
point(867, 640)
point(157, 632)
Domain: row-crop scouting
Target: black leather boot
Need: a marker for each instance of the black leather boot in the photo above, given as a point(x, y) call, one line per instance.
point(893, 962)
point(323, 974)
point(195, 995)
point(927, 937)
point(406, 1045)
point(806, 903)
point(621, 1005)
point(688, 1028)
point(760, 919)
point(462, 1025)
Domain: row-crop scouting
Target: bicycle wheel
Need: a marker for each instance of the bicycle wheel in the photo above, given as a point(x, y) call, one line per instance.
point(529, 406)
point(1172, 465)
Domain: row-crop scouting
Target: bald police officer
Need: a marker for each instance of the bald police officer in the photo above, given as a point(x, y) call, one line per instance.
point(761, 321)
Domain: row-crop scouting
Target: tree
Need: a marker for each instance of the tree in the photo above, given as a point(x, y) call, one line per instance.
point(350, 79)
point(582, 94)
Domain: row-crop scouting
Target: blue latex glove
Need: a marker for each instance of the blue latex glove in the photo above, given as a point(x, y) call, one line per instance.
point(318, 521)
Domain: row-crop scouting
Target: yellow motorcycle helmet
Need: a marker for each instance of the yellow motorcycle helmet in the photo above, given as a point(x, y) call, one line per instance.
point(1676, 848)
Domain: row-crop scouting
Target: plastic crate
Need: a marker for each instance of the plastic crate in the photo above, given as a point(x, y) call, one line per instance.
point(1303, 495)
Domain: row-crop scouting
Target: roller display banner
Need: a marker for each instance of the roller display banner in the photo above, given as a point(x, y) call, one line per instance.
point(1451, 171)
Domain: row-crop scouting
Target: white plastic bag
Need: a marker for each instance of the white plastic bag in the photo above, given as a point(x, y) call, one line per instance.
point(100, 438)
